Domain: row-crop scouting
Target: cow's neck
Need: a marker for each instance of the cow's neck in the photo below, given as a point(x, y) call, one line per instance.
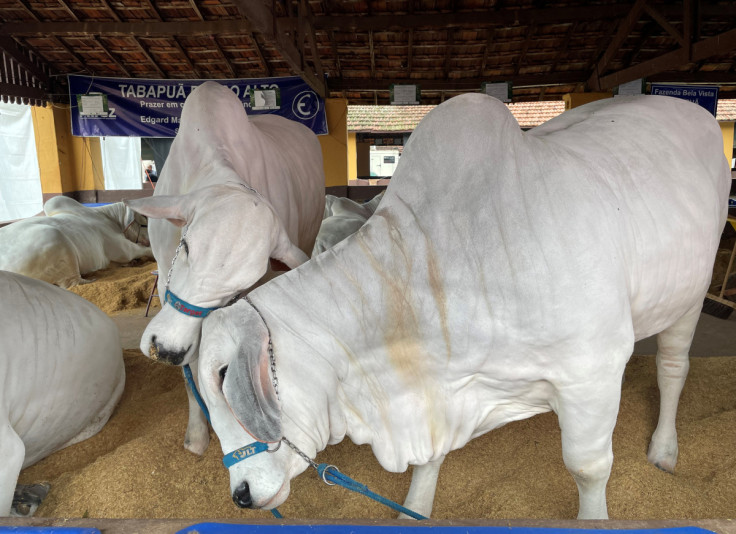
point(347, 357)
point(115, 212)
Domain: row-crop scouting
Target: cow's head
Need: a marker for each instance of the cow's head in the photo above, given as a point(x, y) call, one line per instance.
point(236, 383)
point(135, 227)
point(224, 250)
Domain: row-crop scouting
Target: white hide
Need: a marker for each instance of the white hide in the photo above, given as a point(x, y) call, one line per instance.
point(62, 374)
point(72, 240)
point(505, 274)
point(343, 217)
point(246, 189)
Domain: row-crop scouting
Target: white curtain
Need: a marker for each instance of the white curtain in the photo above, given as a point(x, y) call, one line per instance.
point(20, 177)
point(121, 162)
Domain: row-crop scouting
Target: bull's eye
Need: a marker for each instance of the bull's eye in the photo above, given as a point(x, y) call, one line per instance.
point(223, 370)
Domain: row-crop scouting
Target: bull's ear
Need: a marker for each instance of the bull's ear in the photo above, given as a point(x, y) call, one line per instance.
point(247, 386)
point(173, 208)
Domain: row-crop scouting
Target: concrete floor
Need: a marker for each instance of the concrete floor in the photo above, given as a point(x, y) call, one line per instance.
point(713, 337)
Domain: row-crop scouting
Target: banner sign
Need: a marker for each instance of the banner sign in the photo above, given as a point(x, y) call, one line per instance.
point(705, 96)
point(152, 108)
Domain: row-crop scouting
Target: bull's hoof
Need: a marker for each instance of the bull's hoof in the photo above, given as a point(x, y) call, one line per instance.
point(27, 498)
point(664, 458)
point(197, 446)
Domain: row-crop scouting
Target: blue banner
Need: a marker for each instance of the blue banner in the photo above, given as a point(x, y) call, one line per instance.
point(706, 96)
point(127, 107)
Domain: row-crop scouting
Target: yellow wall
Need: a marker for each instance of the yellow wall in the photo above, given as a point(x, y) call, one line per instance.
point(352, 157)
point(573, 100)
point(728, 142)
point(46, 149)
point(66, 163)
point(335, 144)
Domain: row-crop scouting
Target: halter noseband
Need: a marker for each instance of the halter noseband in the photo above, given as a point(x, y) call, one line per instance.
point(182, 306)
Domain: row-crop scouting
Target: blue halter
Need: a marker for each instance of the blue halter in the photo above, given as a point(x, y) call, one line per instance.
point(182, 306)
point(243, 453)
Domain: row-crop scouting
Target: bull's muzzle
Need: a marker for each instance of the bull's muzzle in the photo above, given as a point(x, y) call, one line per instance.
point(161, 354)
point(241, 496)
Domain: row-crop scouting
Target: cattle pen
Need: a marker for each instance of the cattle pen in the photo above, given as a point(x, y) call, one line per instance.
point(135, 475)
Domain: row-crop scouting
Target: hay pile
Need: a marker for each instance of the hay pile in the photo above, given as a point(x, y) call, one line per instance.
point(119, 287)
point(136, 466)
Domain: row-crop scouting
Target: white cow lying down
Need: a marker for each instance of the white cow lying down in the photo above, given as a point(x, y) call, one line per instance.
point(343, 217)
point(72, 240)
point(244, 189)
point(519, 290)
point(62, 375)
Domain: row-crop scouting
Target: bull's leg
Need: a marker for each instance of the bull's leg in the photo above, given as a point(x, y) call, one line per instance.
point(12, 452)
point(421, 491)
point(197, 437)
point(287, 252)
point(673, 346)
point(291, 256)
point(587, 415)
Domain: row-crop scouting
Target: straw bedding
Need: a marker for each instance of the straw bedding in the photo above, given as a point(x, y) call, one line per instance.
point(136, 466)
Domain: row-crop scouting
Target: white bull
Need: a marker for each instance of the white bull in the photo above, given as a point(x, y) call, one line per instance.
point(72, 240)
point(246, 190)
point(343, 217)
point(519, 289)
point(62, 374)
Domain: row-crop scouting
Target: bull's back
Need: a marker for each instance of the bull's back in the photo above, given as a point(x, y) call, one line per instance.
point(294, 183)
point(658, 185)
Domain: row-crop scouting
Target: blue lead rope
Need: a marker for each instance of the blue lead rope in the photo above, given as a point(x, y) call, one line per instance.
point(331, 475)
point(193, 388)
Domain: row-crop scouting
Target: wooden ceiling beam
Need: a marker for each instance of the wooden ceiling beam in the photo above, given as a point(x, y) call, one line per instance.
point(97, 41)
point(308, 18)
point(461, 84)
point(196, 10)
point(664, 23)
point(259, 52)
point(372, 53)
point(472, 18)
point(687, 24)
point(622, 32)
point(153, 61)
point(262, 20)
point(117, 63)
point(448, 52)
point(713, 46)
point(136, 29)
point(524, 49)
point(489, 42)
point(217, 46)
point(565, 45)
point(55, 39)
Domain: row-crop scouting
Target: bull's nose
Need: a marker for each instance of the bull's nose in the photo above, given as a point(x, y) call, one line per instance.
point(159, 353)
point(241, 496)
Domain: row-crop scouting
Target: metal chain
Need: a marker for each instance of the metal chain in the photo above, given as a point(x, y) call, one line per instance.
point(300, 453)
point(176, 254)
point(271, 357)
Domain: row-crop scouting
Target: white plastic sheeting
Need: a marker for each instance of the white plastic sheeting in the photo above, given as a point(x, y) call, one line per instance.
point(20, 178)
point(121, 162)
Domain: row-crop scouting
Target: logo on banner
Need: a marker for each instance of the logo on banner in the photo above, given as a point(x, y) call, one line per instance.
point(94, 106)
point(305, 105)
